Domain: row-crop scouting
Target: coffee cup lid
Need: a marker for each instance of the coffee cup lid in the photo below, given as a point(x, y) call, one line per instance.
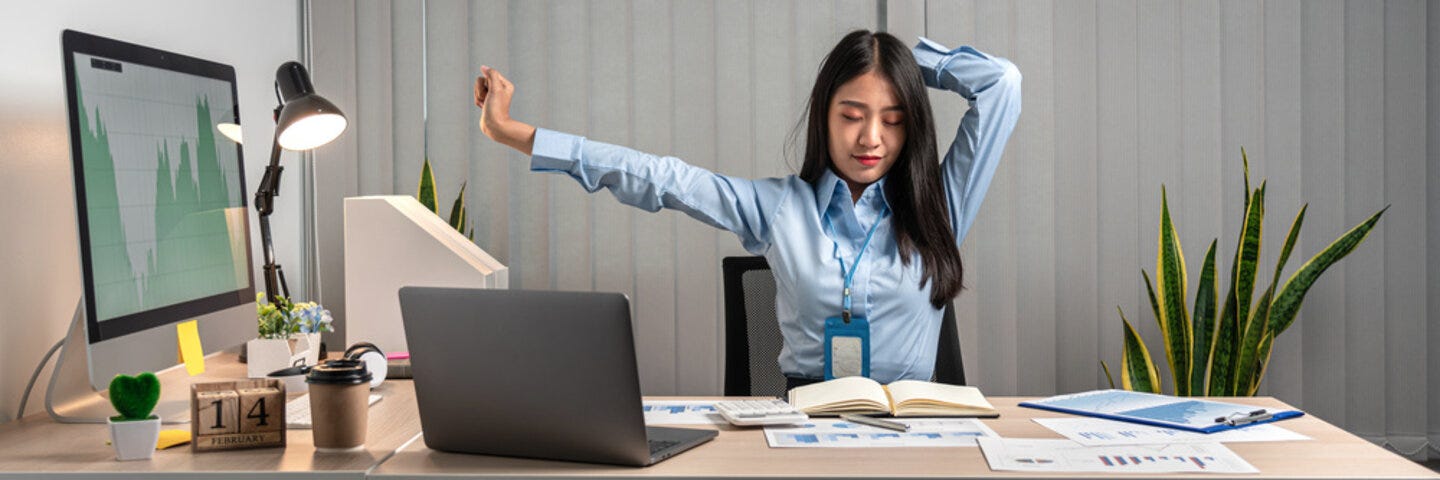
point(339, 372)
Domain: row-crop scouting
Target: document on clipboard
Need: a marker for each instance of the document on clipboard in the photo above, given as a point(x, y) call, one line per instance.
point(1192, 414)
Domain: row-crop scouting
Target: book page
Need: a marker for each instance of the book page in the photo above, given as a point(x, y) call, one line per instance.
point(914, 397)
point(841, 395)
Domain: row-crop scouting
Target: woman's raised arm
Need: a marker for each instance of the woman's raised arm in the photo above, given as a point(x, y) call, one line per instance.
point(992, 87)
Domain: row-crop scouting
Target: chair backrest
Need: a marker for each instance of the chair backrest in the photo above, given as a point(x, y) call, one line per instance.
point(752, 333)
point(752, 330)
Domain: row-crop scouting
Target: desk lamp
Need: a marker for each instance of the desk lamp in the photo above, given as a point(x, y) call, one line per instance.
point(303, 121)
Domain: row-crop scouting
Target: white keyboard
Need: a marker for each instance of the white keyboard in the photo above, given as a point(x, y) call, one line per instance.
point(760, 412)
point(297, 411)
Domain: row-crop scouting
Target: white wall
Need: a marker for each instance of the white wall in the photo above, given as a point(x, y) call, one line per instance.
point(40, 277)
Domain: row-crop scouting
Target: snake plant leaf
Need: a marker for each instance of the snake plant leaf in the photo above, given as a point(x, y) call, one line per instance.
point(426, 191)
point(1108, 377)
point(1170, 272)
point(1154, 303)
point(1245, 163)
point(1262, 360)
point(1249, 381)
point(1249, 256)
point(1227, 339)
point(1251, 335)
point(1287, 302)
point(457, 210)
point(1204, 323)
point(1226, 343)
point(1137, 372)
point(1223, 356)
point(1290, 240)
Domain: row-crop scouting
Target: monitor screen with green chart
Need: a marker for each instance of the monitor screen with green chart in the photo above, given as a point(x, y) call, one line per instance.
point(163, 220)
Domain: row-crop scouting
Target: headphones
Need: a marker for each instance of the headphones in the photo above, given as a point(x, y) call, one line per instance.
point(374, 360)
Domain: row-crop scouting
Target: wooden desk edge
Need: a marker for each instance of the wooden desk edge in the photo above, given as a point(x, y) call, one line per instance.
point(738, 451)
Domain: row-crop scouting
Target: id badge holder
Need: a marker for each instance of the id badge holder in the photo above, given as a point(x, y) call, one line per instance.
point(847, 347)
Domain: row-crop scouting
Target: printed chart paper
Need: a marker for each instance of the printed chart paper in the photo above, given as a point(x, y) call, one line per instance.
point(1096, 432)
point(1036, 455)
point(682, 412)
point(835, 433)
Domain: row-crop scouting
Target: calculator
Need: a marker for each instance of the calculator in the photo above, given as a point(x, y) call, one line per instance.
point(760, 412)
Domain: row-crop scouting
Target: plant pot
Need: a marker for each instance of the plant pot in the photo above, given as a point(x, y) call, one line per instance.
point(134, 439)
point(307, 343)
point(270, 354)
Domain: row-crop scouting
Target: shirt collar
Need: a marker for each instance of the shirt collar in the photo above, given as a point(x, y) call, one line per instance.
point(832, 188)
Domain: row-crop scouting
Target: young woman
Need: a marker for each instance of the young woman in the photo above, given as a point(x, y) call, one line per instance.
point(864, 242)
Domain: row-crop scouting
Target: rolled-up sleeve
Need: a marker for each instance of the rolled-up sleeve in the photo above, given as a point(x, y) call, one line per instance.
point(991, 85)
point(651, 182)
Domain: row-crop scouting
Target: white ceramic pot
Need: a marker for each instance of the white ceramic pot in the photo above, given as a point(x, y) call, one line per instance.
point(308, 344)
point(134, 439)
point(265, 355)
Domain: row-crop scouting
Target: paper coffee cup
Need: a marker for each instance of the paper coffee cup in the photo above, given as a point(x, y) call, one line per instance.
point(339, 404)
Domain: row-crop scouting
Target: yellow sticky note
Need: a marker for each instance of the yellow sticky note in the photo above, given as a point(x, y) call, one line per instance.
point(190, 351)
point(171, 438)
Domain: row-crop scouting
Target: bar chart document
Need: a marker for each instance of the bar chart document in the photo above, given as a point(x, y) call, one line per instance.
point(682, 412)
point(924, 432)
point(1096, 432)
point(1045, 455)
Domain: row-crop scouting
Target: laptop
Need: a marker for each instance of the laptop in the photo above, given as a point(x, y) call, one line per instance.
point(536, 374)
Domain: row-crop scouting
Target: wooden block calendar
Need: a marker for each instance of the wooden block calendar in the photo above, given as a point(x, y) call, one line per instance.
point(238, 414)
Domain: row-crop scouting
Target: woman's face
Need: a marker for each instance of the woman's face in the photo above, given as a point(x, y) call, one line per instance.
point(867, 129)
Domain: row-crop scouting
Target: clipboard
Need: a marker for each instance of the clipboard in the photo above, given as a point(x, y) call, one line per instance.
point(1181, 413)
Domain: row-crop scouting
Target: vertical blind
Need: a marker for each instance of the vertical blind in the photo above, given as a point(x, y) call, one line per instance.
point(1335, 102)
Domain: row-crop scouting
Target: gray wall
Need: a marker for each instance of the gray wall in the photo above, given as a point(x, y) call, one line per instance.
point(1330, 98)
point(40, 283)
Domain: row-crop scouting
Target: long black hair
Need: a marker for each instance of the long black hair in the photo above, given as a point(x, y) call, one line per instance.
point(913, 186)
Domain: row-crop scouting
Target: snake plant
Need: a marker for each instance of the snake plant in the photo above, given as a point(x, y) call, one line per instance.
point(1224, 351)
point(459, 219)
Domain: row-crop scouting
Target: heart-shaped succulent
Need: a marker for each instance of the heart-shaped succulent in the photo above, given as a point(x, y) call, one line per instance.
point(135, 397)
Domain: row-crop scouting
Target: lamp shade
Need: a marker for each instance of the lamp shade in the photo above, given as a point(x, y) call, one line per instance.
point(306, 120)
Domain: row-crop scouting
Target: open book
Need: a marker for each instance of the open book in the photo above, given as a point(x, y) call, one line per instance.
point(905, 398)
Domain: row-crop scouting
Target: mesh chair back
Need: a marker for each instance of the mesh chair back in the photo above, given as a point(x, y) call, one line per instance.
point(949, 368)
point(752, 333)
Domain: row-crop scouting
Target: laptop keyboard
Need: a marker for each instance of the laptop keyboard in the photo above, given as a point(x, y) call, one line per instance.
point(658, 445)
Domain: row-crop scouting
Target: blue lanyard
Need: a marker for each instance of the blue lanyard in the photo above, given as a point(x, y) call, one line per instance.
point(849, 277)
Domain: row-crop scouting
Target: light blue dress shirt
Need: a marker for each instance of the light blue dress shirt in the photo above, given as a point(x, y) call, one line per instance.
point(781, 218)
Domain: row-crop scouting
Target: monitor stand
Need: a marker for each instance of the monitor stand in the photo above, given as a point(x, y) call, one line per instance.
point(69, 397)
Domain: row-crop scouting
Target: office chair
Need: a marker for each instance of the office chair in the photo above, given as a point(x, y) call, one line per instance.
point(752, 333)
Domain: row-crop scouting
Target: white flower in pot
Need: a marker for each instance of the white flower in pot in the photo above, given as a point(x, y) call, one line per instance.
point(289, 335)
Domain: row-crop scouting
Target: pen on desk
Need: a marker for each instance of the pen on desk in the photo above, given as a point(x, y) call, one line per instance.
point(1241, 418)
point(875, 422)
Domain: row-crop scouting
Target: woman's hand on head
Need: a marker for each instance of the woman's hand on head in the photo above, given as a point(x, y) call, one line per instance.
point(492, 94)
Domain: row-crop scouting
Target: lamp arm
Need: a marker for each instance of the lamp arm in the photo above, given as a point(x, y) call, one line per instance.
point(265, 205)
point(270, 183)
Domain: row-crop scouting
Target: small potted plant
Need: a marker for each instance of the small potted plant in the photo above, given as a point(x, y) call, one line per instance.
point(289, 335)
point(135, 430)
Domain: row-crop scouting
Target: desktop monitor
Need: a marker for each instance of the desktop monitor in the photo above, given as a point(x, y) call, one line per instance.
point(160, 200)
point(391, 242)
